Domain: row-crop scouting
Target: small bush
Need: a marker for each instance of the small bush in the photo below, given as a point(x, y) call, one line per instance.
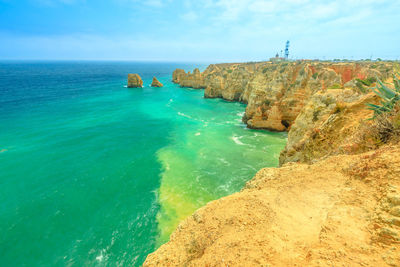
point(335, 86)
point(229, 71)
point(367, 81)
point(361, 87)
point(315, 75)
point(339, 108)
point(316, 115)
point(385, 128)
point(390, 97)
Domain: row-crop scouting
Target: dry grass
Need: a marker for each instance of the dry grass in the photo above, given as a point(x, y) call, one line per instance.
point(384, 129)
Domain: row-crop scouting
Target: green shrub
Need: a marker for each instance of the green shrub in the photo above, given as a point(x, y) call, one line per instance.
point(368, 81)
point(335, 86)
point(390, 97)
point(315, 75)
point(361, 87)
point(229, 71)
point(316, 115)
point(267, 102)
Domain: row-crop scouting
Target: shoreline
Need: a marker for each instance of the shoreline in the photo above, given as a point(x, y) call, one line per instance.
point(323, 147)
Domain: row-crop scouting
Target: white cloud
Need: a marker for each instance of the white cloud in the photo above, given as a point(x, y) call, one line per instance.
point(190, 16)
point(154, 3)
point(263, 7)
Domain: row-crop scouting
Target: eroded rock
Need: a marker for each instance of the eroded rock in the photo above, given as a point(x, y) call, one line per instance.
point(156, 83)
point(134, 81)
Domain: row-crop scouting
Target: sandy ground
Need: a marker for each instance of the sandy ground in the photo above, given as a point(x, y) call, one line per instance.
point(341, 211)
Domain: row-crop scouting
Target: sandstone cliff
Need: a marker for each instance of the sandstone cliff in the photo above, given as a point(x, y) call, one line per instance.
point(156, 83)
point(341, 211)
point(275, 93)
point(134, 81)
point(335, 200)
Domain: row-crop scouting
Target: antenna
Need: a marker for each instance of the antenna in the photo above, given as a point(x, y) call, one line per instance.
point(287, 49)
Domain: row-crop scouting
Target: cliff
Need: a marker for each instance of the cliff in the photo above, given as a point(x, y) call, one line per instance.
point(341, 211)
point(335, 200)
point(275, 93)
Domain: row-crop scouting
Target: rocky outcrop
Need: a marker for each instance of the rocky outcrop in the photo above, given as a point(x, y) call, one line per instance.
point(134, 81)
point(177, 74)
point(341, 211)
point(275, 93)
point(156, 83)
point(335, 200)
point(329, 124)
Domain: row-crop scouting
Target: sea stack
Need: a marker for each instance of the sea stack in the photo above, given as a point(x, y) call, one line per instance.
point(134, 81)
point(156, 83)
point(177, 75)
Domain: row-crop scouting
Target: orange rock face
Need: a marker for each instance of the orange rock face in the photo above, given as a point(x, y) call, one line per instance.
point(134, 81)
point(156, 83)
point(275, 93)
point(329, 204)
point(341, 211)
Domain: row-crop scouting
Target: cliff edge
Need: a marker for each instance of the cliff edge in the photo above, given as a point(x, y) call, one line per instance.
point(275, 93)
point(335, 200)
point(341, 211)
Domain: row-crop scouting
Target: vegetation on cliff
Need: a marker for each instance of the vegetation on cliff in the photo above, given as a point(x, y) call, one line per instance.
point(390, 97)
point(335, 200)
point(275, 93)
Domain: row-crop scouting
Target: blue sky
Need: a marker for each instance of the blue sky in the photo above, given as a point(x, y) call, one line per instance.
point(198, 30)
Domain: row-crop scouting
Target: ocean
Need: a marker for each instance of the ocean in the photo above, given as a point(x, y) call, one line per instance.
point(94, 173)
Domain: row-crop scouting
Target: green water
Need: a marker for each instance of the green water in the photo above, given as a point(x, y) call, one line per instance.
point(93, 173)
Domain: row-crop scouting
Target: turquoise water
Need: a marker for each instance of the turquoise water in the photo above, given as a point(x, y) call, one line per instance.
point(92, 173)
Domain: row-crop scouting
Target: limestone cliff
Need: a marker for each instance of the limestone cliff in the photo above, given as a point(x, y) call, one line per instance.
point(335, 200)
point(275, 93)
point(156, 83)
point(134, 81)
point(341, 211)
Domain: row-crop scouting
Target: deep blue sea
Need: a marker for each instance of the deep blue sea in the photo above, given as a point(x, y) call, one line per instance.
point(93, 173)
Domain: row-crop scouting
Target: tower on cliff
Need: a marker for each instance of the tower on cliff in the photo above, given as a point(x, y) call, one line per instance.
point(287, 50)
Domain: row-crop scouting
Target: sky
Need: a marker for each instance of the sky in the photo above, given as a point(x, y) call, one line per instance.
point(198, 30)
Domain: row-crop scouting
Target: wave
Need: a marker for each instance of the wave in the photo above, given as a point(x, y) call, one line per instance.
point(236, 139)
point(184, 115)
point(169, 102)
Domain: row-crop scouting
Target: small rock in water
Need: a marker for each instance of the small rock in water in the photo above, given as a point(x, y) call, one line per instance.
point(156, 83)
point(134, 81)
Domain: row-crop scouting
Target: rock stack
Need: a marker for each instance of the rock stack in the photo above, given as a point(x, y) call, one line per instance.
point(156, 83)
point(134, 81)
